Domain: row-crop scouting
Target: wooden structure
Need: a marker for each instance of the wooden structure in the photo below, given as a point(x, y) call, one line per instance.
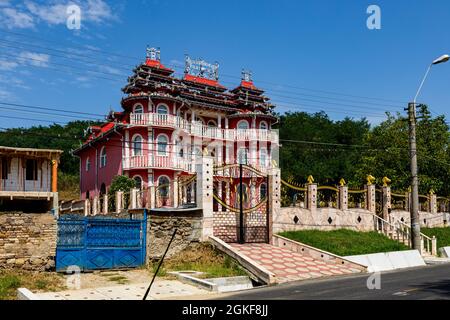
point(28, 175)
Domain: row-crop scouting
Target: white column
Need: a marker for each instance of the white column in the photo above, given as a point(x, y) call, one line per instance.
point(219, 121)
point(205, 194)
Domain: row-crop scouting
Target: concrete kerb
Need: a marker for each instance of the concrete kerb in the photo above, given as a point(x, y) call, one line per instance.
point(315, 253)
point(25, 294)
point(255, 269)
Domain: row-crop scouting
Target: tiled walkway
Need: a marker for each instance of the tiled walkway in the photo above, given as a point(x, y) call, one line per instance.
point(288, 265)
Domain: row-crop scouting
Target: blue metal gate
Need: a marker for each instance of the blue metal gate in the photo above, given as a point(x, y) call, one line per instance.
point(100, 242)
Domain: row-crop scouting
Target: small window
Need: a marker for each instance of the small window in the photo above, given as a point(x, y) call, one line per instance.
point(138, 109)
point(263, 125)
point(31, 173)
point(103, 158)
point(137, 145)
point(162, 109)
point(138, 181)
point(5, 169)
point(243, 124)
point(88, 164)
point(162, 145)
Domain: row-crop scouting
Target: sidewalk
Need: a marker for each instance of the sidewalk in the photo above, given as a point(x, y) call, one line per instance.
point(161, 290)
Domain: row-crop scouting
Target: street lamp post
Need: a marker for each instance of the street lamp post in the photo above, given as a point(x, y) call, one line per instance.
point(414, 209)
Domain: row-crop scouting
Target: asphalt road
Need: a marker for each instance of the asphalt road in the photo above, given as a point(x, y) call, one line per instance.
point(424, 283)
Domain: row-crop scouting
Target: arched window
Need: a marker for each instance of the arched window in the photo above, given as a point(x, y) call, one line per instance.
point(262, 191)
point(212, 124)
point(263, 158)
point(138, 181)
point(243, 124)
point(162, 109)
point(138, 108)
point(103, 157)
point(88, 164)
point(163, 186)
point(137, 145)
point(263, 125)
point(162, 141)
point(242, 156)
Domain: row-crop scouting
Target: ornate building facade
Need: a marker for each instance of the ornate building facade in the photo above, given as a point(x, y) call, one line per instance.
point(168, 122)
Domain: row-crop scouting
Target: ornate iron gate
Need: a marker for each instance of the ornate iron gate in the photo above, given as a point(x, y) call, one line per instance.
point(100, 242)
point(244, 214)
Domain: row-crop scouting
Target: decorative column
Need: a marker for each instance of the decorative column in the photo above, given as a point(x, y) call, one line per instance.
point(371, 196)
point(204, 194)
point(274, 194)
point(133, 198)
point(343, 195)
point(119, 201)
point(54, 187)
point(87, 207)
point(311, 194)
point(433, 202)
point(105, 204)
point(151, 197)
point(386, 198)
point(96, 206)
point(175, 192)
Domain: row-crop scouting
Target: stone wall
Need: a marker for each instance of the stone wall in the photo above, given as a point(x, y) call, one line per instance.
point(27, 241)
point(160, 228)
point(294, 218)
point(427, 219)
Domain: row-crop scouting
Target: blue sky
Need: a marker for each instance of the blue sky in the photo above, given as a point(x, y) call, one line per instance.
point(308, 55)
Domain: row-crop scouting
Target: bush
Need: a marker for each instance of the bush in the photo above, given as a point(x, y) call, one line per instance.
point(120, 183)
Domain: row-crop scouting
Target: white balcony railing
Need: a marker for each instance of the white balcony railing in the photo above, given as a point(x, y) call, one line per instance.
point(198, 129)
point(152, 161)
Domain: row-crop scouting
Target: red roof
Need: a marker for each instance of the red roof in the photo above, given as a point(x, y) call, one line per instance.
point(248, 84)
point(156, 64)
point(208, 82)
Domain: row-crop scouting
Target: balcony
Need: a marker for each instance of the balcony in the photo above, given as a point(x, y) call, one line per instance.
point(198, 129)
point(152, 161)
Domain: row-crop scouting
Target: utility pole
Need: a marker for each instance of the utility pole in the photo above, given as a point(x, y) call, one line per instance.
point(414, 208)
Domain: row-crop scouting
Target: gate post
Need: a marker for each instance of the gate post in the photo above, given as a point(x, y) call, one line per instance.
point(175, 193)
point(312, 196)
point(371, 202)
point(204, 194)
point(95, 206)
point(87, 207)
point(343, 197)
point(119, 201)
point(433, 203)
point(133, 198)
point(274, 191)
point(151, 197)
point(105, 204)
point(386, 202)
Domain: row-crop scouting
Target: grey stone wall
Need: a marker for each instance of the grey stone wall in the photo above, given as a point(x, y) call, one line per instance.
point(27, 241)
point(160, 230)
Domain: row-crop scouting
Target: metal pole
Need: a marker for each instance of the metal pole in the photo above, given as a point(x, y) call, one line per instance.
point(241, 207)
point(159, 264)
point(414, 208)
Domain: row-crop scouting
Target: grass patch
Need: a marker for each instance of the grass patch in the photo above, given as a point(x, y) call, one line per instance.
point(11, 280)
point(345, 242)
point(119, 279)
point(201, 257)
point(442, 235)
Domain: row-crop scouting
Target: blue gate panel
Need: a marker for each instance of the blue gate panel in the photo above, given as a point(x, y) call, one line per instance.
point(100, 243)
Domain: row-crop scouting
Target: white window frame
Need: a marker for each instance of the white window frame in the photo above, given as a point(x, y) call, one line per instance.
point(133, 149)
point(166, 152)
point(243, 121)
point(88, 164)
point(136, 106)
point(162, 105)
point(103, 157)
point(265, 123)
